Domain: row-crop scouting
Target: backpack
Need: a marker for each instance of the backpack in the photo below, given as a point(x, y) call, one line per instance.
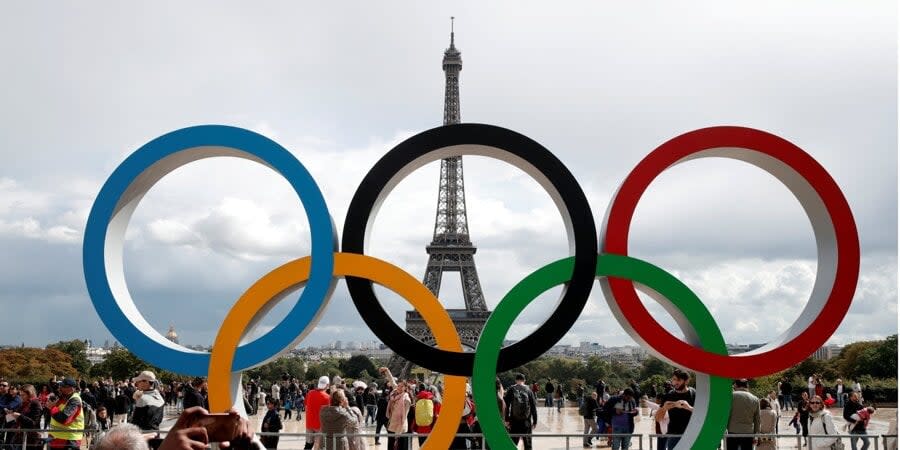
point(520, 408)
point(424, 412)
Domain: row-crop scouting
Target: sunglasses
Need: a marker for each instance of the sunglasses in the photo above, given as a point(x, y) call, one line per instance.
point(4, 385)
point(815, 403)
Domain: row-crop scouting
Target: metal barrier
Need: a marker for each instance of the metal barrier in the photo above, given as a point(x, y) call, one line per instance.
point(539, 440)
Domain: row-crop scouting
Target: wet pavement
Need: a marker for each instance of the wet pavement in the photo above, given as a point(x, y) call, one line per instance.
point(567, 421)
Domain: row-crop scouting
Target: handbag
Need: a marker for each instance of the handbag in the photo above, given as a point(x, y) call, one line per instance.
point(837, 444)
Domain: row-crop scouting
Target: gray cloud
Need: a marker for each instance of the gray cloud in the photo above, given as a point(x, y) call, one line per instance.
point(600, 85)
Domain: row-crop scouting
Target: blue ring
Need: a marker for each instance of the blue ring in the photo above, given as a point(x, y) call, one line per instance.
point(323, 245)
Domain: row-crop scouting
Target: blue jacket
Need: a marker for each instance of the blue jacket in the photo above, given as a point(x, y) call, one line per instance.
point(10, 402)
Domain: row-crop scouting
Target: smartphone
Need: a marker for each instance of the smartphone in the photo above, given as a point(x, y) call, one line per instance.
point(220, 427)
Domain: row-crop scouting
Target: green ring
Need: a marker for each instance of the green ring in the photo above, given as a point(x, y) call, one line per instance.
point(556, 273)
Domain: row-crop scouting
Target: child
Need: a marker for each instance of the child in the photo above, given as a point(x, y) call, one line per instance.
point(795, 421)
point(862, 415)
point(288, 405)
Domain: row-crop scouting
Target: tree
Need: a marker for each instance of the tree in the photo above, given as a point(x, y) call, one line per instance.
point(35, 365)
point(652, 366)
point(324, 368)
point(879, 360)
point(359, 366)
point(275, 369)
point(121, 364)
point(77, 350)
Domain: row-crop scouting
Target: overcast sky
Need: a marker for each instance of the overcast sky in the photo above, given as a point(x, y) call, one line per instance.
point(600, 84)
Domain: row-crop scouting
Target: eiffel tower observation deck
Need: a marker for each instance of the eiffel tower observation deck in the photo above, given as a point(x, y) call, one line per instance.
point(451, 249)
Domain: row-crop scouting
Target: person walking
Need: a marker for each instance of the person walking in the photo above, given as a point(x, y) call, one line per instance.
point(370, 401)
point(521, 411)
point(857, 427)
point(589, 413)
point(381, 419)
point(803, 412)
point(549, 389)
point(744, 417)
point(622, 409)
point(560, 397)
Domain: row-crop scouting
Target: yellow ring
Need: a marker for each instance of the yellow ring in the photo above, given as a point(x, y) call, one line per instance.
point(270, 287)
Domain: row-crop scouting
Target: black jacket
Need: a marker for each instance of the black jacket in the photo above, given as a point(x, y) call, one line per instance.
point(381, 413)
point(850, 408)
point(192, 397)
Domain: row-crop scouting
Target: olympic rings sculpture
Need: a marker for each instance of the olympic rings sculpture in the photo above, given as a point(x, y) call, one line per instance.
point(619, 274)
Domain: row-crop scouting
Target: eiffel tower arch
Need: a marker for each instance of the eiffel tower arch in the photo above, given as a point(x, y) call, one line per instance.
point(451, 249)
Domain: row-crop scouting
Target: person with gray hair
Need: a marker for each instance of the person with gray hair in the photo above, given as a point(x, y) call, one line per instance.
point(125, 436)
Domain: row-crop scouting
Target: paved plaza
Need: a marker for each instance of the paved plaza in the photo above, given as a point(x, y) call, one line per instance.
point(569, 422)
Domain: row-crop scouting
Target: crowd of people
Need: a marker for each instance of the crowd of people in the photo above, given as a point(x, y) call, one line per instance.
point(68, 410)
point(337, 413)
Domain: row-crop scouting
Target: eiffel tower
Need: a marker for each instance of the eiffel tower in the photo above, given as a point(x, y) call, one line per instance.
point(450, 250)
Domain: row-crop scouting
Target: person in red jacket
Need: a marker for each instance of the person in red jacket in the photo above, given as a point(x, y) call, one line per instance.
point(427, 407)
point(315, 400)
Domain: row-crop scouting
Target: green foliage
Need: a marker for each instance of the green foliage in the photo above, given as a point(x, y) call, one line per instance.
point(328, 367)
point(77, 350)
point(358, 367)
point(274, 370)
point(120, 364)
point(658, 380)
point(652, 366)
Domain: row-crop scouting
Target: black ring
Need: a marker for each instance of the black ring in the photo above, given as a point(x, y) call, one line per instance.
point(423, 148)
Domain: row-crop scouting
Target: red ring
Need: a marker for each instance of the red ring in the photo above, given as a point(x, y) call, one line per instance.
point(837, 304)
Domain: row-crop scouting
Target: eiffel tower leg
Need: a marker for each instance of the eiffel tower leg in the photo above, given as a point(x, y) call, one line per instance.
point(471, 285)
point(434, 273)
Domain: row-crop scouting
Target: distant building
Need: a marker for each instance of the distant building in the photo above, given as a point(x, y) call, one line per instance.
point(96, 355)
point(827, 352)
point(172, 335)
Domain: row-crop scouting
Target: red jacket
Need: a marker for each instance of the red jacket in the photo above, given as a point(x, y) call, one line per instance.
point(427, 395)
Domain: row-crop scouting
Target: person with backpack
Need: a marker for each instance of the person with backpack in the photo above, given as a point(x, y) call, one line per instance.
point(427, 406)
point(521, 411)
point(620, 411)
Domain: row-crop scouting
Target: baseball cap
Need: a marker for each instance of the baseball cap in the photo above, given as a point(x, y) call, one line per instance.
point(323, 382)
point(70, 382)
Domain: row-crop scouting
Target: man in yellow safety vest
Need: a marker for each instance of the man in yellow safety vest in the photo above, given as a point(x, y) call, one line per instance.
point(67, 418)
